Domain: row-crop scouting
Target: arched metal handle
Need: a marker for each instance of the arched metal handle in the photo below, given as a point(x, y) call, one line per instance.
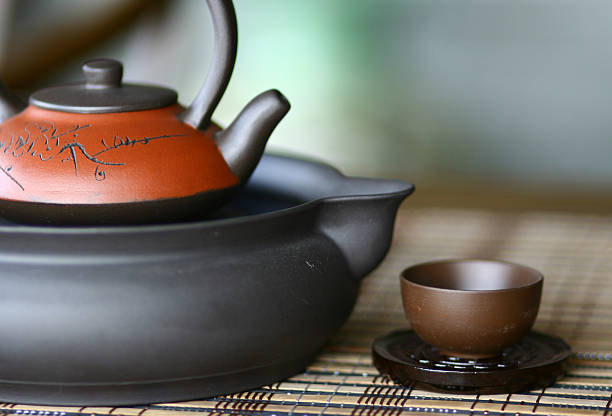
point(223, 15)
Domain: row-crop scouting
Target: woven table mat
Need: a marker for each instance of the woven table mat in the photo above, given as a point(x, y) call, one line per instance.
point(574, 252)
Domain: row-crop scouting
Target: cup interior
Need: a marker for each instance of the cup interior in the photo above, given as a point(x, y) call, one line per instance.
point(472, 275)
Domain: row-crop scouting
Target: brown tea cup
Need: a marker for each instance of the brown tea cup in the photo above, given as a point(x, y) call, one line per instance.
point(471, 308)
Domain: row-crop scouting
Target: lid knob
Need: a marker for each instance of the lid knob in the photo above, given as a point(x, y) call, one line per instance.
point(103, 73)
point(102, 92)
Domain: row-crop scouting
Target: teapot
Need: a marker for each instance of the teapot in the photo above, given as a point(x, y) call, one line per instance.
point(106, 152)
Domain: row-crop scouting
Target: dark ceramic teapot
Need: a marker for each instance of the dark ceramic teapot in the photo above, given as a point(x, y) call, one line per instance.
point(107, 152)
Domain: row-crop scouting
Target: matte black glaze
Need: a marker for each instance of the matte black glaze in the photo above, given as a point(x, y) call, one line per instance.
point(225, 27)
point(195, 207)
point(134, 314)
point(102, 92)
point(243, 142)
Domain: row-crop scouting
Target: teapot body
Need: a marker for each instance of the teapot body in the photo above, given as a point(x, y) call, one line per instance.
point(51, 159)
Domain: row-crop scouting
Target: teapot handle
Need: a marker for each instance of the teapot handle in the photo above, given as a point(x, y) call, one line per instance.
point(199, 112)
point(10, 104)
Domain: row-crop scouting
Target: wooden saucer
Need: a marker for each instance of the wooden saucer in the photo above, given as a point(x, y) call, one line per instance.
point(535, 362)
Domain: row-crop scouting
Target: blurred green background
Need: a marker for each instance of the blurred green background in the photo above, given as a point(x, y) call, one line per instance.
point(447, 92)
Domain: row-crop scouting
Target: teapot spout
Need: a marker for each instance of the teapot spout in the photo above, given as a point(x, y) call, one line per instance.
point(10, 104)
point(243, 142)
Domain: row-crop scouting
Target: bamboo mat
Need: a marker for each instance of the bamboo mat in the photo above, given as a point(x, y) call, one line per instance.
point(573, 251)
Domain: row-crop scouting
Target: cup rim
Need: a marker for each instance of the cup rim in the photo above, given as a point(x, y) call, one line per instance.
point(538, 276)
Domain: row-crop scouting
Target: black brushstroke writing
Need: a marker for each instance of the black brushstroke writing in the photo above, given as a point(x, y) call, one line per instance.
point(40, 139)
point(119, 142)
point(6, 171)
point(99, 174)
point(44, 141)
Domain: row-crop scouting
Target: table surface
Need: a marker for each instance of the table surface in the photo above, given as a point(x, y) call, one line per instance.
point(574, 252)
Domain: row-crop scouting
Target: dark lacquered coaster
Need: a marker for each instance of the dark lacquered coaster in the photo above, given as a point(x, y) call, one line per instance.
point(535, 362)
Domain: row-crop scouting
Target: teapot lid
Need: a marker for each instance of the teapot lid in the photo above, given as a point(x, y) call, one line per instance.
point(103, 92)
